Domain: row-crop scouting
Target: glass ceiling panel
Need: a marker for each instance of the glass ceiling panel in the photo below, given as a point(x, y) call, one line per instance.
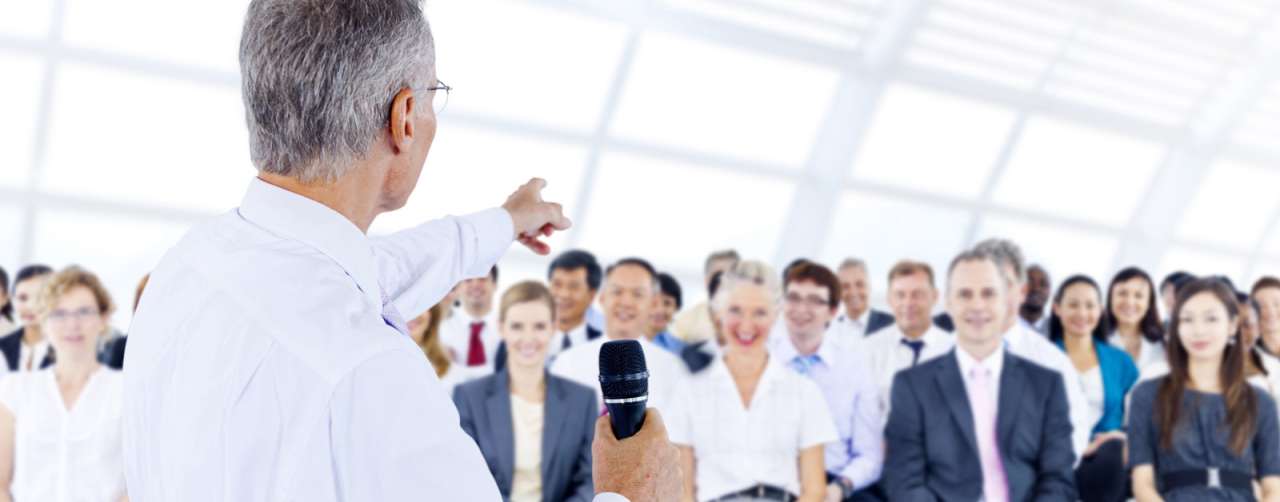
point(472, 169)
point(145, 144)
point(545, 74)
point(715, 99)
point(1063, 251)
point(1203, 263)
point(1077, 172)
point(26, 18)
point(120, 250)
point(636, 209)
point(828, 23)
point(882, 230)
point(1233, 206)
point(963, 140)
point(187, 33)
point(20, 92)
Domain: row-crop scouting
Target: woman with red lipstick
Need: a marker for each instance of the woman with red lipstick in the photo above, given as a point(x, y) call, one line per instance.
point(1202, 432)
point(1106, 373)
point(749, 428)
point(1131, 314)
point(60, 430)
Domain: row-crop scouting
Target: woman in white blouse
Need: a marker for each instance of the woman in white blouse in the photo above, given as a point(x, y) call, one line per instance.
point(1131, 313)
point(60, 430)
point(749, 428)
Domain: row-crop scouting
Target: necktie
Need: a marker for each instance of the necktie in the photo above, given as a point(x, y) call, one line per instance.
point(567, 342)
point(916, 347)
point(802, 364)
point(475, 349)
point(995, 487)
point(391, 316)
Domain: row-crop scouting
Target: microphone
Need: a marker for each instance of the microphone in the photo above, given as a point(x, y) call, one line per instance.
point(624, 381)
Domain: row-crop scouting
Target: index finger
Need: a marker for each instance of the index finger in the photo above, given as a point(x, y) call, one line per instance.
point(537, 184)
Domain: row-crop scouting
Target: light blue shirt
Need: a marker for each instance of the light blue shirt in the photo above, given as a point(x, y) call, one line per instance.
point(853, 400)
point(669, 342)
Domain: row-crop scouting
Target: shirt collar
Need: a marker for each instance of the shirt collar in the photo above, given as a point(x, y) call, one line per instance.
point(993, 363)
point(293, 216)
point(786, 351)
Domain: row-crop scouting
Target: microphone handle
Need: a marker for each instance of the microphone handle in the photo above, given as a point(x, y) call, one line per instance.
point(626, 418)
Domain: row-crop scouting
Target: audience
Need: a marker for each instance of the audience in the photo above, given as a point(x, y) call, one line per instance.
point(913, 339)
point(574, 277)
point(1202, 432)
point(1132, 317)
point(1266, 293)
point(425, 331)
point(6, 307)
point(858, 319)
point(60, 433)
point(979, 423)
point(697, 356)
point(1169, 290)
point(811, 298)
point(27, 349)
point(471, 333)
point(112, 354)
point(694, 324)
point(669, 301)
point(749, 428)
point(534, 429)
point(1039, 287)
point(629, 295)
point(1106, 374)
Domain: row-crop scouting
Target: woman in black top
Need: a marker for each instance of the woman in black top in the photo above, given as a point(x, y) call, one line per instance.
point(1203, 433)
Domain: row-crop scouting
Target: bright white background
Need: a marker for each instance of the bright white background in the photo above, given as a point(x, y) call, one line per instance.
point(1097, 134)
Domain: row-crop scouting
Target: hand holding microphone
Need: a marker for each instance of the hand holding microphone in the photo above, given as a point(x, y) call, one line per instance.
point(631, 454)
point(534, 218)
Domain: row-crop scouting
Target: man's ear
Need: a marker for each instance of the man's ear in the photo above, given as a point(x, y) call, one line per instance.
point(401, 123)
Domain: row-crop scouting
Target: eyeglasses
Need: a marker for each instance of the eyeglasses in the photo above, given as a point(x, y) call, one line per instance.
point(808, 301)
point(81, 314)
point(439, 99)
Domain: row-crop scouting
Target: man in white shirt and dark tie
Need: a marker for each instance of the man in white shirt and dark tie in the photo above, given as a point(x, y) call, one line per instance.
point(913, 339)
point(268, 359)
point(574, 278)
point(472, 333)
point(857, 320)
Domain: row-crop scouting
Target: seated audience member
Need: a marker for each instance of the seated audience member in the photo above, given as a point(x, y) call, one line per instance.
point(471, 332)
point(1132, 317)
point(27, 349)
point(698, 356)
point(1106, 374)
point(1202, 432)
point(669, 301)
point(6, 306)
point(694, 324)
point(857, 319)
point(1266, 293)
point(978, 423)
point(112, 354)
point(534, 429)
point(425, 331)
point(1169, 290)
point(1028, 344)
point(811, 298)
point(574, 277)
point(748, 428)
point(1039, 287)
point(60, 433)
point(628, 297)
point(913, 339)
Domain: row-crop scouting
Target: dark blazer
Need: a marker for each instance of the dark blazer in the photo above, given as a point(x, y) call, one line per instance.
point(877, 321)
point(11, 347)
point(500, 355)
point(943, 321)
point(568, 426)
point(112, 354)
point(931, 449)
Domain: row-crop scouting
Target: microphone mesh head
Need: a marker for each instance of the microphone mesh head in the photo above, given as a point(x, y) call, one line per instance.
point(622, 358)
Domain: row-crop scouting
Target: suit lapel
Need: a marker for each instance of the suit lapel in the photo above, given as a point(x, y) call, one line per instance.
point(951, 384)
point(1012, 385)
point(553, 423)
point(498, 407)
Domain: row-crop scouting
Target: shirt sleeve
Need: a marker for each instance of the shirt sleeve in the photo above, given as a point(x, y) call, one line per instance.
point(1141, 431)
point(679, 417)
point(419, 265)
point(818, 426)
point(1265, 453)
point(395, 435)
point(867, 444)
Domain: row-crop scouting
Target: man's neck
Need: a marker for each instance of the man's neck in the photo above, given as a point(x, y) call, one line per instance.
point(621, 335)
point(854, 315)
point(806, 344)
point(478, 311)
point(915, 334)
point(566, 325)
point(979, 351)
point(350, 196)
point(1031, 313)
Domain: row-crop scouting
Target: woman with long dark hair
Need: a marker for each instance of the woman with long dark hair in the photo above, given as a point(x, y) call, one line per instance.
point(6, 306)
point(1106, 374)
point(1131, 315)
point(1202, 432)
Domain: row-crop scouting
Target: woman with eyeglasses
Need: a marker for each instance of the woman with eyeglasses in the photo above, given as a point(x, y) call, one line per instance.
point(60, 428)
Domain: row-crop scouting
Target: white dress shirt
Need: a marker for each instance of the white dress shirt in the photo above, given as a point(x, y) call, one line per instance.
point(455, 334)
point(576, 336)
point(848, 331)
point(30, 356)
point(737, 447)
point(1021, 341)
point(63, 455)
point(581, 364)
point(886, 355)
point(1148, 352)
point(261, 368)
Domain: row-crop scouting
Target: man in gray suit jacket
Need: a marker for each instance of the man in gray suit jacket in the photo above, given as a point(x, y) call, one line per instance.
point(569, 420)
point(978, 422)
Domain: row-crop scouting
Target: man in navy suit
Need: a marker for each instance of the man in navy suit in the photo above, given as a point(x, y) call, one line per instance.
point(978, 422)
point(857, 319)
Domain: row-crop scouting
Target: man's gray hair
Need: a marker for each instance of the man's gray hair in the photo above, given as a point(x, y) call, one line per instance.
point(853, 263)
point(1006, 253)
point(318, 78)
